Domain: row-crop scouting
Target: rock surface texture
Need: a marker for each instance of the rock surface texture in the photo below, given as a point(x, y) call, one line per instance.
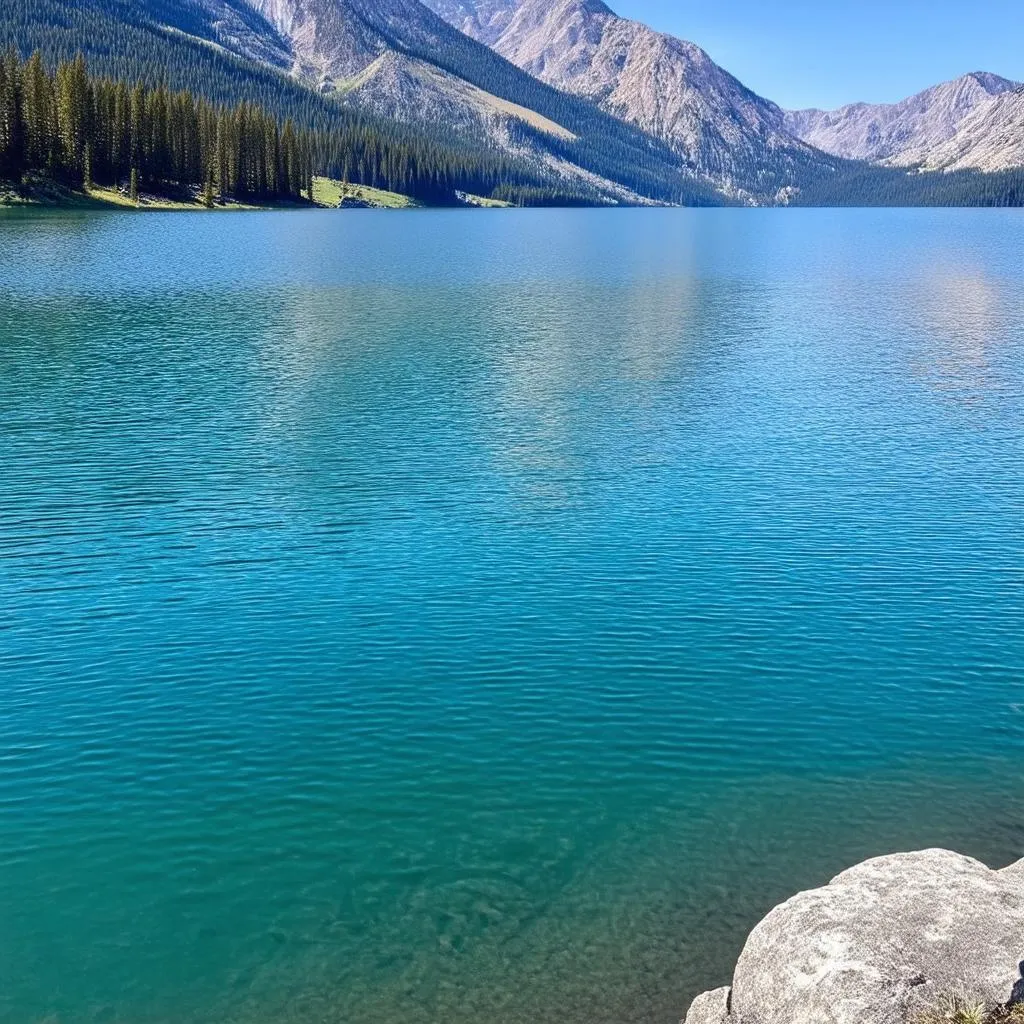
point(879, 943)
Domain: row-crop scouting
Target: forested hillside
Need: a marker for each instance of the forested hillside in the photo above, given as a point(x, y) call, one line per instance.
point(82, 130)
point(86, 131)
point(119, 44)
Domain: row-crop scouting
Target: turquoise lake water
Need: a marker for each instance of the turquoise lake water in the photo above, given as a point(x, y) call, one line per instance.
point(488, 616)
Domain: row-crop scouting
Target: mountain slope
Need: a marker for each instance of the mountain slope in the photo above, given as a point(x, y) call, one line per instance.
point(338, 45)
point(666, 86)
point(392, 59)
point(900, 134)
point(990, 138)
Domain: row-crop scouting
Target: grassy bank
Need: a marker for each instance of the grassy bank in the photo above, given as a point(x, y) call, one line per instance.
point(47, 192)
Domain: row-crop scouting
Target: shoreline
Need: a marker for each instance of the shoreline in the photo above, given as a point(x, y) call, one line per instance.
point(328, 194)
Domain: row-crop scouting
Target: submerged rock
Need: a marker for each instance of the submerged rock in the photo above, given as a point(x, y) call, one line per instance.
point(877, 944)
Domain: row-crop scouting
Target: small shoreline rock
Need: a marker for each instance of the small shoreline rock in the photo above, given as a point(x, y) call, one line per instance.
point(879, 944)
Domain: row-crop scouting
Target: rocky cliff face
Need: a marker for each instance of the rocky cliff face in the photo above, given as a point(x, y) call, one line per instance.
point(907, 133)
point(666, 86)
point(878, 944)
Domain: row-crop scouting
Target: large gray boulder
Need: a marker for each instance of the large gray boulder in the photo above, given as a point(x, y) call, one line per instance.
point(878, 943)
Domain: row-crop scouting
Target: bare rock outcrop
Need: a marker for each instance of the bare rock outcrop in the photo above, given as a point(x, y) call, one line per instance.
point(877, 944)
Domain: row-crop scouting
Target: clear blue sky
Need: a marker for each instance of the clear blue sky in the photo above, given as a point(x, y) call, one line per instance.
point(830, 52)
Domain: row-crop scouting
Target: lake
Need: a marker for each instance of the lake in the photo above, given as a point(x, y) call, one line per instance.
point(462, 616)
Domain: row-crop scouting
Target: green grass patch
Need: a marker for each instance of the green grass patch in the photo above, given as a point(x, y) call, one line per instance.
point(327, 192)
point(333, 193)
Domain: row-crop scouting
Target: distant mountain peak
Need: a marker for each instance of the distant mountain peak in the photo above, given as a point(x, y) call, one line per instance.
point(992, 83)
point(906, 133)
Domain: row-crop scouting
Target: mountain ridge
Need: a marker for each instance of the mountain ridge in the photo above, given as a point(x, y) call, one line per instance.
point(744, 143)
point(899, 134)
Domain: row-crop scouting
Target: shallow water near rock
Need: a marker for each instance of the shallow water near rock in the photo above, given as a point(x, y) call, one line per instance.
point(460, 616)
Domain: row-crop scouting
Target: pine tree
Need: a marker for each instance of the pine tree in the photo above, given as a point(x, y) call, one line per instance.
point(72, 96)
point(37, 113)
point(12, 131)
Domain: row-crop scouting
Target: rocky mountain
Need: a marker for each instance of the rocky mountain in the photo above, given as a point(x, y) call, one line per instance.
point(666, 86)
point(593, 106)
point(921, 131)
point(401, 60)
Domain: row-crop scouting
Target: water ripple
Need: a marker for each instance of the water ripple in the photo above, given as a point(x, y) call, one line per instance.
point(498, 634)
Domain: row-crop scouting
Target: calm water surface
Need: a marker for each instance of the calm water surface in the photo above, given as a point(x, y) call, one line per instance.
point(488, 616)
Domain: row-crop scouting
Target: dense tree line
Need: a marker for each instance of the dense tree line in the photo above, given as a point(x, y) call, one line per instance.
point(86, 130)
point(526, 195)
point(858, 184)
